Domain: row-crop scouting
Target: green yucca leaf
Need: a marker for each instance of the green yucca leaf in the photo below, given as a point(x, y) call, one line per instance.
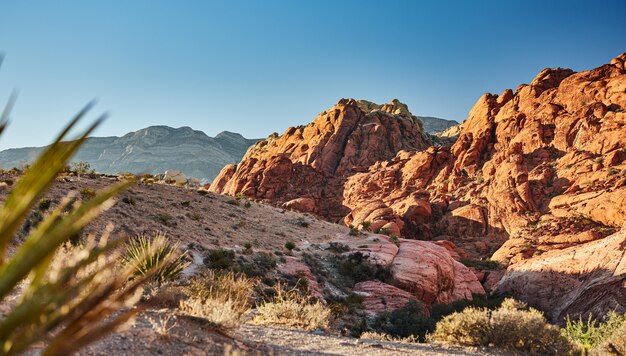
point(46, 239)
point(38, 179)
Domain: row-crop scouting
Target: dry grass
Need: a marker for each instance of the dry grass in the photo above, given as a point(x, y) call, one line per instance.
point(615, 344)
point(222, 299)
point(292, 309)
point(513, 326)
point(376, 336)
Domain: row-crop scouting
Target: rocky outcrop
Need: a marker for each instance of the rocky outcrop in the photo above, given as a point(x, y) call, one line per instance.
point(536, 171)
point(379, 297)
point(154, 149)
point(425, 269)
point(587, 278)
point(435, 125)
point(314, 161)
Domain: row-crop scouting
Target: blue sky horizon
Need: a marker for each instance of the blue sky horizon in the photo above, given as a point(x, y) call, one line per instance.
point(256, 67)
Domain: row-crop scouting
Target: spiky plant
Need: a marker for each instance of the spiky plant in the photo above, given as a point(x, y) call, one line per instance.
point(148, 255)
point(79, 303)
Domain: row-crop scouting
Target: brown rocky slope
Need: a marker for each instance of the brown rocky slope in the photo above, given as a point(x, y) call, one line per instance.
point(535, 171)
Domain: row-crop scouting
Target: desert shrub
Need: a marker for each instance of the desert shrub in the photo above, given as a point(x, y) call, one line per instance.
point(365, 225)
point(512, 326)
point(222, 298)
point(247, 204)
point(185, 203)
point(377, 336)
point(481, 264)
point(338, 247)
point(289, 245)
point(80, 168)
point(87, 193)
point(44, 204)
point(146, 254)
point(384, 231)
point(292, 309)
point(408, 321)
point(612, 344)
point(219, 259)
point(260, 264)
point(163, 218)
point(203, 192)
point(439, 311)
point(128, 200)
point(357, 268)
point(586, 334)
point(233, 202)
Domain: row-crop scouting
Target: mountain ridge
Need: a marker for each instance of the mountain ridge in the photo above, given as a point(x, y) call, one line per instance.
point(153, 149)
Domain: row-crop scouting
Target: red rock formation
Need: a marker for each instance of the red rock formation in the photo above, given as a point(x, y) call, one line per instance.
point(586, 278)
point(534, 170)
point(379, 297)
point(314, 161)
point(425, 269)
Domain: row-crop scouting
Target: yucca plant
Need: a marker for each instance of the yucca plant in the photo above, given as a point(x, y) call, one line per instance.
point(149, 255)
point(79, 302)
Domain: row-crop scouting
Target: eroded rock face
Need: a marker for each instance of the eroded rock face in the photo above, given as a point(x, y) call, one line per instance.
point(588, 278)
point(379, 297)
point(426, 269)
point(314, 161)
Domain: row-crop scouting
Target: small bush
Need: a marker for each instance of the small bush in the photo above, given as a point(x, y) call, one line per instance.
point(587, 334)
point(260, 265)
point(87, 193)
point(203, 192)
point(128, 200)
point(222, 299)
point(219, 259)
point(513, 326)
point(80, 168)
point(365, 225)
point(338, 247)
point(44, 204)
point(292, 309)
point(384, 231)
point(163, 218)
point(145, 254)
point(613, 344)
point(185, 203)
point(481, 264)
point(289, 245)
point(356, 267)
point(409, 321)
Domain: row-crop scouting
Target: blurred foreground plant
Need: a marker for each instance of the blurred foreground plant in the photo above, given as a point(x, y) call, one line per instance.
point(71, 304)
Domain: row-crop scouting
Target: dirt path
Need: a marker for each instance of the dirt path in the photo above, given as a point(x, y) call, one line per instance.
point(298, 342)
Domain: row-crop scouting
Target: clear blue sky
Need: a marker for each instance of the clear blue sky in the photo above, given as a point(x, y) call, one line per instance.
point(256, 67)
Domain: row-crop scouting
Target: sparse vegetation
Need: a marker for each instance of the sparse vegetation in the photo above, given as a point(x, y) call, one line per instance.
point(405, 322)
point(87, 193)
point(44, 204)
point(289, 245)
point(219, 259)
point(80, 168)
point(221, 298)
point(512, 326)
point(587, 334)
point(357, 268)
point(163, 218)
point(156, 254)
point(366, 225)
point(481, 264)
point(291, 308)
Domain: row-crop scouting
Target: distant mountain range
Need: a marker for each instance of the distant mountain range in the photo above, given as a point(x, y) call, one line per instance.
point(434, 125)
point(154, 149)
